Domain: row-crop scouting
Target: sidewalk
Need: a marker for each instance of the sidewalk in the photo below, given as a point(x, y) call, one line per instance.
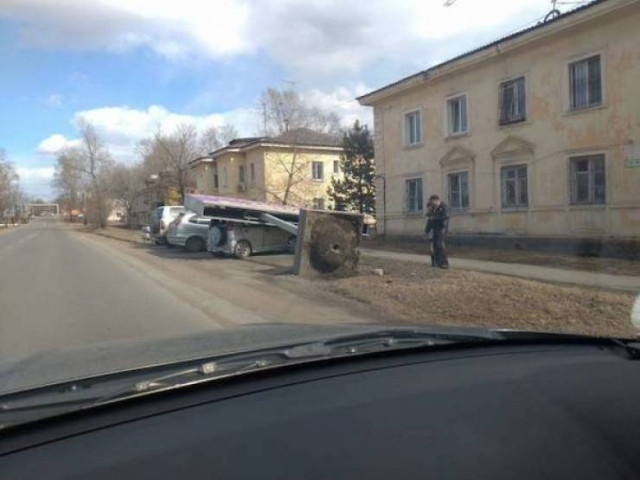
point(626, 283)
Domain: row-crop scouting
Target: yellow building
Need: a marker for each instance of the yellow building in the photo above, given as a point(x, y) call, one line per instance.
point(535, 134)
point(293, 168)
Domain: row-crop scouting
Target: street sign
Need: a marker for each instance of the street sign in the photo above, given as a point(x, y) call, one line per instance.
point(632, 162)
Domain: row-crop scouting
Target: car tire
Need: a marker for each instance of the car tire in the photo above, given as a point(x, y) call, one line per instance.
point(242, 249)
point(194, 244)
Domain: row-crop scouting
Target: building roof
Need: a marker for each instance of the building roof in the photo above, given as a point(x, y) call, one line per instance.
point(300, 137)
point(539, 26)
point(305, 136)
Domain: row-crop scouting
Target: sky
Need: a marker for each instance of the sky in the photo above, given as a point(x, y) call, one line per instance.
point(132, 66)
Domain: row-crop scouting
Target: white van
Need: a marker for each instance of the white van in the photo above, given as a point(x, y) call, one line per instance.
point(160, 220)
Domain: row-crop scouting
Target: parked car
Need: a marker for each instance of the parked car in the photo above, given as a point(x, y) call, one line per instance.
point(244, 238)
point(160, 220)
point(190, 231)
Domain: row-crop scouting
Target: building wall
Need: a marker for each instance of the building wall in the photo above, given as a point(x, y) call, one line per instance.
point(203, 174)
point(304, 189)
point(544, 142)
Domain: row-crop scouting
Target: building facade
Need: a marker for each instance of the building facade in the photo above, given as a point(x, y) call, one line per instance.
point(536, 134)
point(295, 168)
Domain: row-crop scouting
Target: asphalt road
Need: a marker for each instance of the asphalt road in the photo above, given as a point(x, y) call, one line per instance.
point(58, 290)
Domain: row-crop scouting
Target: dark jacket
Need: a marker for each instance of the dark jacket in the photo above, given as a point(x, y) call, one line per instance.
point(437, 218)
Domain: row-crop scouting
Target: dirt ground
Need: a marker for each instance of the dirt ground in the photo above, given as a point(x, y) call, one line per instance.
point(422, 295)
point(570, 262)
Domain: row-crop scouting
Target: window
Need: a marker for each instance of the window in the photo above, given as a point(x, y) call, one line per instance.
point(241, 174)
point(588, 180)
point(512, 101)
point(514, 186)
point(252, 173)
point(317, 170)
point(215, 177)
point(336, 167)
point(458, 189)
point(457, 115)
point(585, 83)
point(413, 195)
point(413, 128)
point(318, 203)
point(224, 176)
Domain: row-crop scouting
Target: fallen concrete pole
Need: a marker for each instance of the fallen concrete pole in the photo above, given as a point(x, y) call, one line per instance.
point(327, 243)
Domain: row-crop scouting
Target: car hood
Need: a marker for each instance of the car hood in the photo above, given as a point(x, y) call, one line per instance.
point(72, 363)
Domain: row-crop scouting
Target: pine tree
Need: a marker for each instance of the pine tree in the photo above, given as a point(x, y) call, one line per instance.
point(355, 190)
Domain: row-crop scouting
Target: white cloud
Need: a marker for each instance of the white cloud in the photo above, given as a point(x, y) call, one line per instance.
point(54, 100)
point(341, 101)
point(36, 181)
point(54, 143)
point(35, 173)
point(122, 127)
point(313, 36)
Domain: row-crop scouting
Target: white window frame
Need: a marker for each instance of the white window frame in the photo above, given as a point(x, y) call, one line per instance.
point(419, 201)
point(448, 189)
point(517, 204)
point(252, 173)
point(242, 174)
point(447, 118)
point(567, 81)
point(336, 167)
point(314, 164)
point(582, 59)
point(405, 127)
point(573, 181)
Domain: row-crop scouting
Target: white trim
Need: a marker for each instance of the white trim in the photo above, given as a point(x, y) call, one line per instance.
point(447, 99)
point(405, 133)
point(458, 171)
point(566, 81)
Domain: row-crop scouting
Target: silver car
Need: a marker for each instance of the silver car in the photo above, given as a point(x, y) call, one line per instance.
point(160, 220)
point(190, 231)
point(243, 238)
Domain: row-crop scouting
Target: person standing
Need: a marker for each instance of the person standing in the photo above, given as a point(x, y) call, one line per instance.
point(437, 226)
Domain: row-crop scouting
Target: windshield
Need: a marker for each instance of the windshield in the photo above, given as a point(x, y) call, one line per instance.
point(280, 172)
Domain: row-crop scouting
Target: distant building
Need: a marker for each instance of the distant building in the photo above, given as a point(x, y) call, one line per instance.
point(536, 134)
point(295, 167)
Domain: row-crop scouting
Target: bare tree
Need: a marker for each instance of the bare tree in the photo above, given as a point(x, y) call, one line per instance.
point(68, 178)
point(126, 184)
point(171, 153)
point(91, 161)
point(214, 138)
point(9, 188)
point(282, 110)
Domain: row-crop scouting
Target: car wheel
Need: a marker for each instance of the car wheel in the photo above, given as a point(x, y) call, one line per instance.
point(242, 249)
point(194, 244)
